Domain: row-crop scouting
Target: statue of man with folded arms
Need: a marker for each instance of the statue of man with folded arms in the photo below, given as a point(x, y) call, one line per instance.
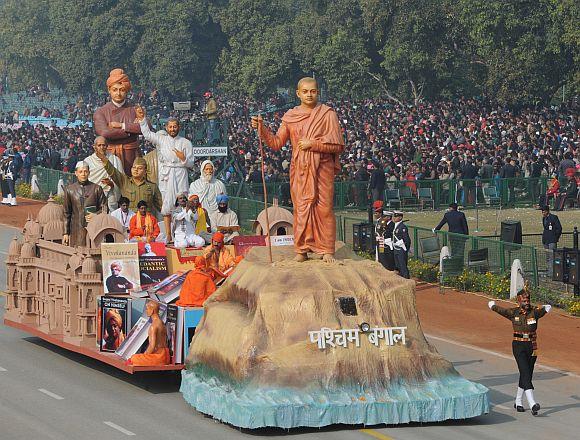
point(116, 121)
point(317, 141)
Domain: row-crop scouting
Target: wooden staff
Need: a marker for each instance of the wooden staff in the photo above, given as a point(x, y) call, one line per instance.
point(269, 244)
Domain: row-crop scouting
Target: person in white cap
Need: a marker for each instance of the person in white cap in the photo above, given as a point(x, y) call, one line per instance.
point(207, 188)
point(82, 200)
point(401, 245)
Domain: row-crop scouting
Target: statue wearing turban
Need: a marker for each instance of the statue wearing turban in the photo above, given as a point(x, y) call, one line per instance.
point(116, 122)
point(225, 220)
point(218, 257)
point(113, 335)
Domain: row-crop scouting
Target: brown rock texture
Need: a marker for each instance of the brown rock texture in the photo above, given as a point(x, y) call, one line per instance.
point(256, 325)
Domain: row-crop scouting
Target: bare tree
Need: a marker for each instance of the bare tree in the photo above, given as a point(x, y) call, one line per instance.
point(382, 84)
point(417, 91)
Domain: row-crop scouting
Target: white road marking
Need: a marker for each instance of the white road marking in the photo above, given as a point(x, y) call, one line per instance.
point(2, 369)
point(48, 393)
point(495, 405)
point(119, 428)
point(501, 355)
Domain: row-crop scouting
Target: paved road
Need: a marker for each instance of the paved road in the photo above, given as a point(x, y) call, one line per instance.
point(49, 393)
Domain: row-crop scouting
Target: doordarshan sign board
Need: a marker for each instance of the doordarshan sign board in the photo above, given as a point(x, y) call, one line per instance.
point(210, 151)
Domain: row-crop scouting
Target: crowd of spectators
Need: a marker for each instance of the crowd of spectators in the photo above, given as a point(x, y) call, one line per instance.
point(460, 139)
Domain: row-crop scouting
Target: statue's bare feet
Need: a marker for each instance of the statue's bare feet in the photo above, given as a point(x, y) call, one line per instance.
point(328, 258)
point(301, 257)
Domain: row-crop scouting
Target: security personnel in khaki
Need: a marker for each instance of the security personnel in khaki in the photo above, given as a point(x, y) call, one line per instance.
point(524, 346)
point(136, 187)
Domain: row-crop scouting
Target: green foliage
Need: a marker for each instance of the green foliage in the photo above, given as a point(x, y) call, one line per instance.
point(517, 52)
point(522, 46)
point(423, 271)
point(342, 63)
point(494, 285)
point(177, 43)
point(25, 190)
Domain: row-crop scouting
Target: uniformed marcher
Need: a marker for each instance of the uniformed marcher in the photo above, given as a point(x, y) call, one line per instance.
point(384, 232)
point(389, 258)
point(524, 345)
point(379, 239)
point(550, 235)
point(401, 245)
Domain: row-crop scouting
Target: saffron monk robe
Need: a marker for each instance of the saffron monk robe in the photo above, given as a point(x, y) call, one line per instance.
point(157, 352)
point(219, 258)
point(524, 346)
point(317, 141)
point(198, 285)
point(143, 226)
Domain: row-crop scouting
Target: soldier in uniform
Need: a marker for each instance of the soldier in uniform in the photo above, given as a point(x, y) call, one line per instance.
point(383, 232)
point(401, 245)
point(379, 239)
point(524, 346)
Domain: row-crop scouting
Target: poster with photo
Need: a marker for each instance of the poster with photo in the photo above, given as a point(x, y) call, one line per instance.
point(152, 263)
point(120, 267)
point(115, 322)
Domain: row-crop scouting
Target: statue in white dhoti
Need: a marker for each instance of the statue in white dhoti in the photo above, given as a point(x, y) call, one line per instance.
point(207, 188)
point(99, 176)
point(174, 157)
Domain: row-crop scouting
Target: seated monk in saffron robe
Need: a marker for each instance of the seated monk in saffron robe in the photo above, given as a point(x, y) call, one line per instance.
point(317, 141)
point(157, 352)
point(198, 285)
point(143, 226)
point(218, 257)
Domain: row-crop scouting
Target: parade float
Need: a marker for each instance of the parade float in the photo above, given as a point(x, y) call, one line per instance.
point(288, 340)
point(290, 344)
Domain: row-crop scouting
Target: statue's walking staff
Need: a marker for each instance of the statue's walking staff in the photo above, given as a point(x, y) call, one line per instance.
point(269, 244)
point(259, 117)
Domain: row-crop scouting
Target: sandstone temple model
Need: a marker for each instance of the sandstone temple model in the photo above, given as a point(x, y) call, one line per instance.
point(54, 288)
